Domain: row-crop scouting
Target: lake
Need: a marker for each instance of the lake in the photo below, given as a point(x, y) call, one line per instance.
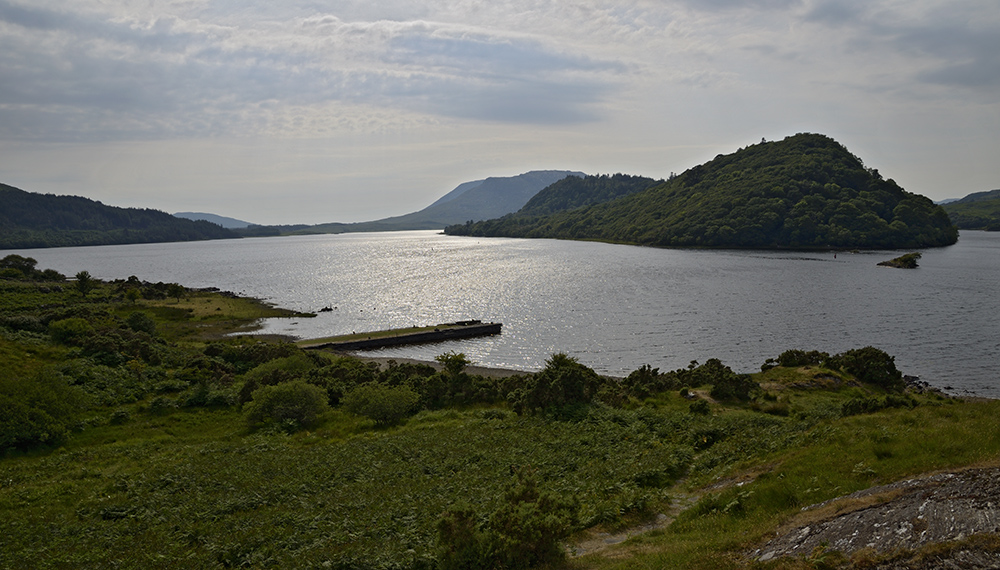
point(613, 307)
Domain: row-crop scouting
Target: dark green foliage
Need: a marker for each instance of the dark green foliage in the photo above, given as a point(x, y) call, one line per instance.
point(804, 192)
point(461, 545)
point(30, 220)
point(453, 362)
point(386, 405)
point(726, 384)
point(646, 381)
point(85, 283)
point(977, 211)
point(36, 411)
point(574, 192)
point(906, 261)
point(872, 404)
point(794, 358)
point(872, 366)
point(70, 331)
point(563, 382)
point(699, 407)
point(141, 322)
point(243, 355)
point(290, 405)
point(529, 524)
point(14, 266)
point(524, 532)
point(869, 365)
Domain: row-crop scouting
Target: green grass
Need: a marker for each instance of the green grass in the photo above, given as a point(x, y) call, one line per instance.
point(149, 479)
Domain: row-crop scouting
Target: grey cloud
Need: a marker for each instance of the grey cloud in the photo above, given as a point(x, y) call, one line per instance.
point(103, 78)
point(949, 46)
point(835, 13)
point(716, 5)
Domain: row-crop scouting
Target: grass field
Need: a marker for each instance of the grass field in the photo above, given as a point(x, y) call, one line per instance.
point(158, 467)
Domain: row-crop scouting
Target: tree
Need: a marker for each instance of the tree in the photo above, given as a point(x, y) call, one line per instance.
point(176, 291)
point(25, 265)
point(85, 283)
point(386, 405)
point(291, 405)
point(454, 362)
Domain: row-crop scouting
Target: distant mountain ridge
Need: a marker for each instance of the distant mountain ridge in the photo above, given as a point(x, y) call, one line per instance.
point(475, 200)
point(30, 220)
point(228, 223)
point(804, 192)
point(977, 211)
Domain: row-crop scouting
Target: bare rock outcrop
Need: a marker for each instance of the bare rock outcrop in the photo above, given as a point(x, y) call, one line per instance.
point(905, 515)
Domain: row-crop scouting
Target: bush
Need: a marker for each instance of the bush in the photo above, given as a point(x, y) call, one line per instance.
point(385, 405)
point(795, 358)
point(872, 366)
point(523, 532)
point(699, 407)
point(563, 382)
point(36, 411)
point(460, 543)
point(726, 384)
point(70, 331)
point(141, 322)
point(291, 404)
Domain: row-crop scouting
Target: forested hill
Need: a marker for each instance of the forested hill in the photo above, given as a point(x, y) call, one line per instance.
point(804, 192)
point(978, 211)
point(29, 220)
point(574, 192)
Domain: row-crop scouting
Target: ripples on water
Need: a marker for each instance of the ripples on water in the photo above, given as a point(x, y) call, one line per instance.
point(613, 307)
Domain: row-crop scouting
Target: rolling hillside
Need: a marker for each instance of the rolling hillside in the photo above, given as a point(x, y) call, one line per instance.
point(30, 220)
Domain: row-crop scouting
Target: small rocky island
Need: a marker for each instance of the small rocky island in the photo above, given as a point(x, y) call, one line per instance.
point(908, 261)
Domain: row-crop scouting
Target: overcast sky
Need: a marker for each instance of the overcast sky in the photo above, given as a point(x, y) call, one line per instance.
point(310, 111)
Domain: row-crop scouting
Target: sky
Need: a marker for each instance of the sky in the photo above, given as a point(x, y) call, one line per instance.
point(313, 111)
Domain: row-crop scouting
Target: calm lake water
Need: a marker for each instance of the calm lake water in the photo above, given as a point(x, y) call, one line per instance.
point(612, 307)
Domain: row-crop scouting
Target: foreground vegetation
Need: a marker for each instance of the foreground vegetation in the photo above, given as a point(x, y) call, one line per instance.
point(804, 192)
point(136, 436)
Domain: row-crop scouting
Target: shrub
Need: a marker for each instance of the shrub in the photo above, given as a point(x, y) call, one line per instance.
point(36, 411)
point(525, 531)
point(563, 381)
point(453, 362)
point(70, 331)
point(460, 543)
point(795, 358)
point(699, 407)
point(141, 322)
point(385, 405)
point(726, 384)
point(293, 403)
point(872, 366)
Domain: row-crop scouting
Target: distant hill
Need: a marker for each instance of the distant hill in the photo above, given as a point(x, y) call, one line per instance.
point(804, 192)
point(230, 223)
point(977, 211)
point(29, 220)
point(477, 200)
point(576, 192)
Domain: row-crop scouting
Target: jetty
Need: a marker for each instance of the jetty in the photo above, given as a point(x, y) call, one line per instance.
point(398, 337)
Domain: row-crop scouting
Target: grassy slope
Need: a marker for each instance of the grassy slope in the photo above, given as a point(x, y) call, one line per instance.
point(193, 488)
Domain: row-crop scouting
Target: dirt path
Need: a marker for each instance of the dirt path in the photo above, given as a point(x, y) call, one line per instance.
point(596, 540)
